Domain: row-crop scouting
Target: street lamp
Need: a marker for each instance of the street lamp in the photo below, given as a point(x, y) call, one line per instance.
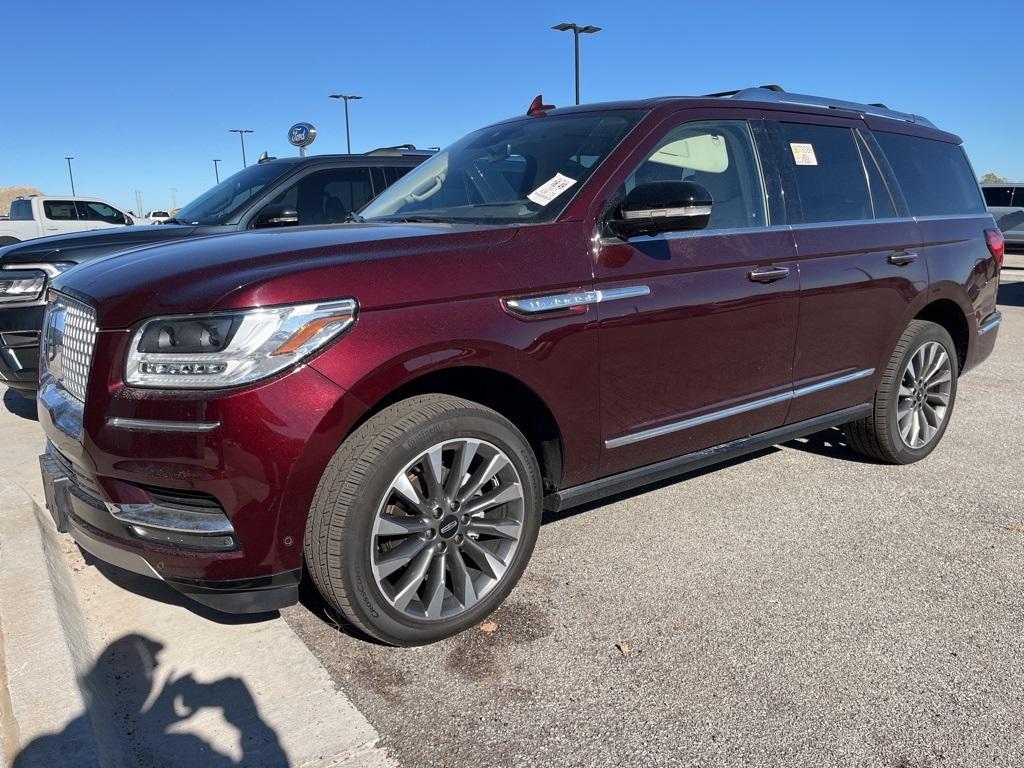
point(577, 30)
point(174, 197)
point(216, 171)
point(70, 174)
point(241, 137)
point(347, 99)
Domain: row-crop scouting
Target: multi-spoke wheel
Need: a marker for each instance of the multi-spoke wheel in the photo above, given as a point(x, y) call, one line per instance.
point(425, 519)
point(914, 399)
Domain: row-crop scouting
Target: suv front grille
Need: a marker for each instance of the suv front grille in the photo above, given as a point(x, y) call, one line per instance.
point(69, 335)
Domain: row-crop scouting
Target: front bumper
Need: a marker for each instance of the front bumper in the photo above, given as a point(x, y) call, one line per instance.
point(19, 345)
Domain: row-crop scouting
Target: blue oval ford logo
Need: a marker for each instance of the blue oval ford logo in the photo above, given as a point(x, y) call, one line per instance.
point(301, 134)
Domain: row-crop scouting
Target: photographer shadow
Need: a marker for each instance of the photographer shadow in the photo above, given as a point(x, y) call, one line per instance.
point(137, 719)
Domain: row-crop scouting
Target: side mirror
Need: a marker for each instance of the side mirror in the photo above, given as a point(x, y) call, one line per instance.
point(128, 220)
point(661, 206)
point(276, 216)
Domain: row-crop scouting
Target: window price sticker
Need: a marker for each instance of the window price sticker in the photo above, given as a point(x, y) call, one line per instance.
point(550, 189)
point(803, 154)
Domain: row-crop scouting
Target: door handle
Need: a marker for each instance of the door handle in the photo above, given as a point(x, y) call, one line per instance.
point(769, 275)
point(902, 258)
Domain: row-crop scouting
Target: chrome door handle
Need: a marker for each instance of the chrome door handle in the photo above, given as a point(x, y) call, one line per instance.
point(768, 275)
point(902, 258)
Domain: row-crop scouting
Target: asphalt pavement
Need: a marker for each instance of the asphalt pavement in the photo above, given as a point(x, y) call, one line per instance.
point(802, 607)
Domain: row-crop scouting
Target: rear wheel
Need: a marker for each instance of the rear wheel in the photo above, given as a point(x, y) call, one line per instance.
point(425, 519)
point(914, 400)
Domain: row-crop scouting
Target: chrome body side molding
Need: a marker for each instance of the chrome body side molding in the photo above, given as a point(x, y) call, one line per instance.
point(535, 305)
point(735, 410)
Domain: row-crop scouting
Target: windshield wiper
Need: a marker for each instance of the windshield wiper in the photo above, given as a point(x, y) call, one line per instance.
point(414, 219)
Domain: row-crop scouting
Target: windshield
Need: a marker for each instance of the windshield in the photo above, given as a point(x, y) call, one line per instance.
point(525, 171)
point(224, 201)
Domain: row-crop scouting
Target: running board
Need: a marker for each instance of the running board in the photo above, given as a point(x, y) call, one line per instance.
point(653, 473)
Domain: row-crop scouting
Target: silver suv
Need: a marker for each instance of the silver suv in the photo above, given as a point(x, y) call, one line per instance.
point(1006, 203)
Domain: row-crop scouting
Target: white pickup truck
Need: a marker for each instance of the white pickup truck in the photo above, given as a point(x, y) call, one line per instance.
point(39, 216)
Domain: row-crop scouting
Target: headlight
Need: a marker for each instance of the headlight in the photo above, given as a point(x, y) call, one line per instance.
point(227, 349)
point(25, 282)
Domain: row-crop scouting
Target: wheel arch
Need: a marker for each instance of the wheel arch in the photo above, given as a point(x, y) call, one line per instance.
point(494, 389)
point(950, 315)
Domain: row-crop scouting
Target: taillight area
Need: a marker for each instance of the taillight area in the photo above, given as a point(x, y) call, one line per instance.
point(996, 245)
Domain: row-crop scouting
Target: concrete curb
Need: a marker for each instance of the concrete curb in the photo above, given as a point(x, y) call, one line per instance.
point(100, 675)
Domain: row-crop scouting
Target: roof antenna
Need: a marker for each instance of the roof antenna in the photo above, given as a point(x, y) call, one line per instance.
point(538, 108)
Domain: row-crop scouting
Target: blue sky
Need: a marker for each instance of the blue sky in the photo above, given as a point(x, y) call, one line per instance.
point(143, 94)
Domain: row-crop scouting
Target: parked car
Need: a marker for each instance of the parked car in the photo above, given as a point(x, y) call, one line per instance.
point(157, 217)
point(556, 308)
point(1006, 203)
point(274, 193)
point(34, 217)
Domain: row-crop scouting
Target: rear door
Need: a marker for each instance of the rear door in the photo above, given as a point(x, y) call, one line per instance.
point(60, 216)
point(858, 254)
point(696, 328)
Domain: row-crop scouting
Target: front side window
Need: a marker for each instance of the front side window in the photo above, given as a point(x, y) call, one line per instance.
point(94, 211)
point(328, 196)
point(825, 164)
point(719, 155)
point(222, 203)
point(935, 176)
point(520, 172)
point(60, 210)
point(998, 197)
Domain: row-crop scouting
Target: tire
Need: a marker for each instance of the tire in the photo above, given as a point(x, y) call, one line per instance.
point(361, 500)
point(8, 241)
point(883, 434)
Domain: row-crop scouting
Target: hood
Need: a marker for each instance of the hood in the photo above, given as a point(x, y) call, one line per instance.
point(378, 264)
point(77, 247)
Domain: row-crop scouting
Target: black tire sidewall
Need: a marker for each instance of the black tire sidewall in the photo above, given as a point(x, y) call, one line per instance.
point(904, 453)
point(389, 623)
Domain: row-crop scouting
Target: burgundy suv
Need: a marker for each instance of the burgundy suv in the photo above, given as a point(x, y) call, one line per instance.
point(558, 307)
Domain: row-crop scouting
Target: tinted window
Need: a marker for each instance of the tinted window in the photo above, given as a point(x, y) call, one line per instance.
point(94, 211)
point(60, 210)
point(223, 202)
point(831, 183)
point(997, 197)
point(718, 155)
point(1018, 197)
point(935, 176)
point(21, 210)
point(328, 196)
point(393, 173)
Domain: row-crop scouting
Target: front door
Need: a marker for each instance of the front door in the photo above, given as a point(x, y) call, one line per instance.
point(697, 328)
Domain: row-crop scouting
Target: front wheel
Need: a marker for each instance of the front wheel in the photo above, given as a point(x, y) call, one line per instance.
point(425, 519)
point(915, 398)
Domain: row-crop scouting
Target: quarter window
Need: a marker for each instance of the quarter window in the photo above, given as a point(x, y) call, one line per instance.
point(935, 176)
point(60, 210)
point(719, 155)
point(831, 182)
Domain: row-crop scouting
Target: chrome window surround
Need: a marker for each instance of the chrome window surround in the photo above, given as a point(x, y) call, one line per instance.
point(696, 421)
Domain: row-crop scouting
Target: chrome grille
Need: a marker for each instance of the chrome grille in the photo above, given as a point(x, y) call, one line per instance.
point(69, 335)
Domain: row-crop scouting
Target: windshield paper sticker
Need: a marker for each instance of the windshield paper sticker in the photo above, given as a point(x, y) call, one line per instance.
point(550, 189)
point(803, 154)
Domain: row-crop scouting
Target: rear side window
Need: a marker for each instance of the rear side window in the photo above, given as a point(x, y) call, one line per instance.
point(21, 210)
point(60, 210)
point(935, 176)
point(998, 197)
point(831, 183)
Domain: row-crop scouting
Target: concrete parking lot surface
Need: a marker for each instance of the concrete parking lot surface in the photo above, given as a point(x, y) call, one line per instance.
point(803, 607)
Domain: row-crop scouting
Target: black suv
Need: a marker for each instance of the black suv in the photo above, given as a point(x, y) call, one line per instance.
point(276, 192)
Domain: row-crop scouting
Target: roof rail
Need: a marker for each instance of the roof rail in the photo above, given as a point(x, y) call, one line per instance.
point(400, 149)
point(776, 94)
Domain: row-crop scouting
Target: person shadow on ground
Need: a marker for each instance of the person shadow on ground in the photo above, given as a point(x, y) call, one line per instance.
point(140, 722)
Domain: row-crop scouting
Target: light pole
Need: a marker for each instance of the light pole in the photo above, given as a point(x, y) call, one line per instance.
point(241, 137)
point(347, 99)
point(174, 197)
point(70, 174)
point(216, 171)
point(577, 30)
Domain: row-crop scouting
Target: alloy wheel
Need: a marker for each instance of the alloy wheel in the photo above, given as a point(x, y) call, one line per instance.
point(447, 529)
point(924, 395)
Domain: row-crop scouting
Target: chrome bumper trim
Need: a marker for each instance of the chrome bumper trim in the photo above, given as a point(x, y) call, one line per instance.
point(157, 425)
point(991, 323)
point(171, 519)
